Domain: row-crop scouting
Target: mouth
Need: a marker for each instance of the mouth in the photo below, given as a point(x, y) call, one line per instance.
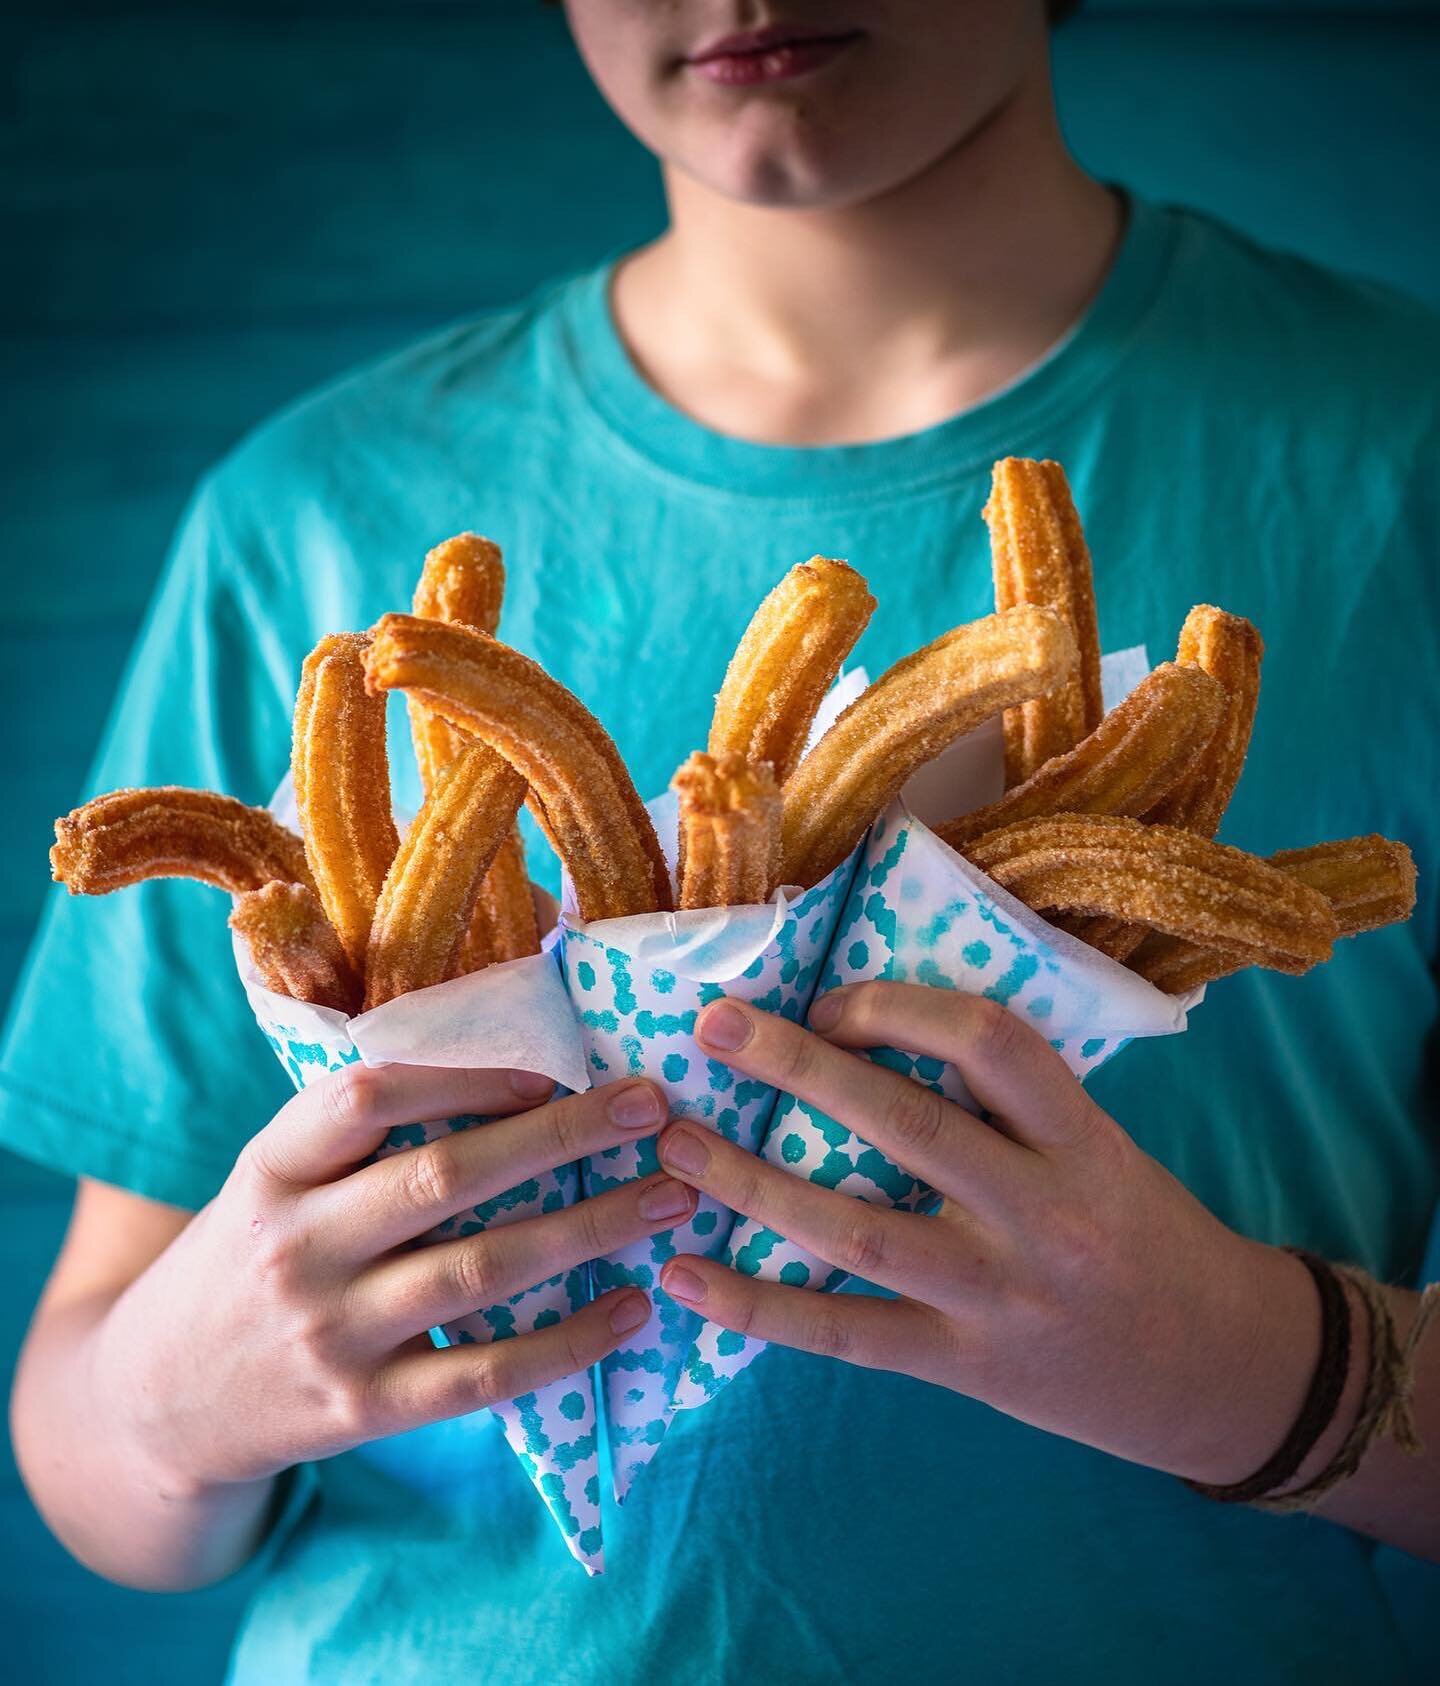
point(778, 53)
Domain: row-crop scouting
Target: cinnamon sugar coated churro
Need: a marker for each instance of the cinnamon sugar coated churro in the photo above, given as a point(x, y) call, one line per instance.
point(1039, 555)
point(729, 831)
point(1166, 879)
point(791, 651)
point(128, 836)
point(580, 791)
point(294, 947)
point(1229, 649)
point(1136, 753)
point(1369, 882)
point(426, 903)
point(907, 717)
point(504, 925)
point(341, 776)
point(463, 580)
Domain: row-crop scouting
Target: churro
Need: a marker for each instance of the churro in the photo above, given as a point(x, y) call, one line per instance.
point(504, 925)
point(1166, 879)
point(463, 581)
point(128, 836)
point(1039, 555)
point(294, 946)
point(428, 898)
point(786, 661)
point(1137, 752)
point(912, 712)
point(729, 831)
point(342, 786)
point(580, 791)
point(1229, 649)
point(1369, 882)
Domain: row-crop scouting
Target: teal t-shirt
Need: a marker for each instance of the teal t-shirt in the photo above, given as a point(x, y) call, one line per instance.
point(1240, 428)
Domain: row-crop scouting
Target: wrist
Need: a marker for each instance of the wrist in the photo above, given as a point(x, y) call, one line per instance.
point(1264, 1359)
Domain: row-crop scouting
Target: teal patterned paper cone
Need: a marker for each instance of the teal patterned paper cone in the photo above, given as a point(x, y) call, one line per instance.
point(920, 913)
point(510, 1015)
point(637, 986)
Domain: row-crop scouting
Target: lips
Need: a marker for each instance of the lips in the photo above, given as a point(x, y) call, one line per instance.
point(777, 53)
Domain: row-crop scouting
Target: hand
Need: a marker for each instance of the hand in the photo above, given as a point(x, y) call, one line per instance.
point(1068, 1280)
point(287, 1321)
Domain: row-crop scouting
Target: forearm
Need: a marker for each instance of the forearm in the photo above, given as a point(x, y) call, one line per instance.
point(99, 1479)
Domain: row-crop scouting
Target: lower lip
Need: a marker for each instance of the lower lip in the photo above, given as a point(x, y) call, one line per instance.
point(779, 64)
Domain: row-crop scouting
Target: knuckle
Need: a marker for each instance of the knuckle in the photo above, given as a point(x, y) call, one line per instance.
point(567, 1131)
point(915, 1115)
point(829, 1335)
point(797, 1060)
point(474, 1273)
point(351, 1097)
point(429, 1180)
point(860, 1246)
point(348, 1411)
point(591, 1229)
point(1076, 1246)
point(993, 1031)
point(483, 1383)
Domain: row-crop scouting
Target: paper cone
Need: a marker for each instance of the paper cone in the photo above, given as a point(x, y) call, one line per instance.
point(511, 1015)
point(920, 913)
point(637, 985)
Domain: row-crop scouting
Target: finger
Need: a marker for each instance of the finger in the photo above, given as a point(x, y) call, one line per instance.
point(879, 1334)
point(896, 1249)
point(337, 1122)
point(423, 1387)
point(930, 1136)
point(452, 1279)
point(1011, 1069)
point(400, 1197)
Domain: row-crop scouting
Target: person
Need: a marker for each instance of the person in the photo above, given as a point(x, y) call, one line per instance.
point(882, 271)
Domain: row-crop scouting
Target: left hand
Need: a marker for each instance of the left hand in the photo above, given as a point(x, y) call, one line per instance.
point(1068, 1280)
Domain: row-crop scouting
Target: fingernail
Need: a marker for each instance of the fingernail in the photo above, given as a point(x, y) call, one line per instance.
point(631, 1313)
point(530, 1085)
point(683, 1284)
point(634, 1107)
point(825, 1013)
point(724, 1026)
point(665, 1200)
point(682, 1150)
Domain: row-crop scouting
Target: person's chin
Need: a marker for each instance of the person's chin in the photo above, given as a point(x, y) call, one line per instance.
point(789, 172)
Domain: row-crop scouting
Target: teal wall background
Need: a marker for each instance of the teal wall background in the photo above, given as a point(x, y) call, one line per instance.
point(208, 207)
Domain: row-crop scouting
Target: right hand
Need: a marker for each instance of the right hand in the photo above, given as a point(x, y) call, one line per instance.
point(287, 1321)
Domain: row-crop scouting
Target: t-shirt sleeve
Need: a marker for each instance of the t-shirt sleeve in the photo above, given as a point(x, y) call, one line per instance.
point(130, 1054)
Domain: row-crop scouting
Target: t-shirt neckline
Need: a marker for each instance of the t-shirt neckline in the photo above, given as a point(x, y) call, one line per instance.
point(648, 426)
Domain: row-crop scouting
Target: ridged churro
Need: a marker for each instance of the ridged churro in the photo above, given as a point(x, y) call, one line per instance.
point(1229, 649)
point(786, 661)
point(294, 946)
point(1039, 555)
point(1166, 879)
point(1137, 752)
point(912, 712)
point(729, 831)
point(463, 581)
point(504, 925)
point(428, 898)
point(580, 791)
point(341, 776)
point(1368, 881)
point(128, 836)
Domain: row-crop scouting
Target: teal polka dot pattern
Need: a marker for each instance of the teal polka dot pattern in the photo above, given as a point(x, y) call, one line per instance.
point(637, 1016)
point(918, 913)
point(554, 1431)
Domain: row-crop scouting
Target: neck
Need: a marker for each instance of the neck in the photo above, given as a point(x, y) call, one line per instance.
point(772, 323)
